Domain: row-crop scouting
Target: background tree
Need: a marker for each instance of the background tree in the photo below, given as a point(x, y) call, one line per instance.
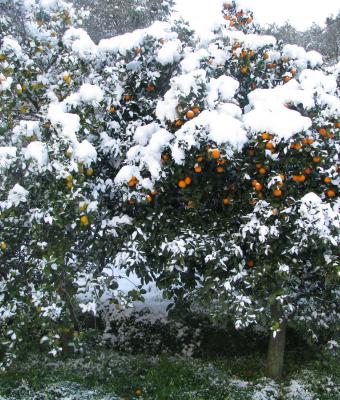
point(108, 18)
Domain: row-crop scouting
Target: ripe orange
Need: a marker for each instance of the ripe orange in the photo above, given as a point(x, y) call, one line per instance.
point(262, 171)
point(187, 180)
point(215, 154)
point(327, 180)
point(190, 114)
point(249, 20)
point(308, 141)
point(198, 169)
point(137, 50)
point(127, 97)
point(148, 198)
point(285, 59)
point(282, 177)
point(277, 193)
point(150, 88)
point(138, 392)
point(196, 110)
point(265, 136)
point(3, 246)
point(316, 159)
point(269, 146)
point(308, 171)
point(258, 165)
point(330, 193)
point(296, 146)
point(165, 157)
point(220, 170)
point(200, 158)
point(258, 187)
point(226, 201)
point(179, 122)
point(337, 124)
point(244, 53)
point(133, 182)
point(265, 56)
point(250, 263)
point(286, 79)
point(154, 193)
point(112, 110)
point(244, 70)
point(323, 132)
point(182, 184)
point(293, 71)
point(299, 178)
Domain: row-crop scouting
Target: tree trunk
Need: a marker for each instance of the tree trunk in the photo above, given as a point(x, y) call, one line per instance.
point(276, 348)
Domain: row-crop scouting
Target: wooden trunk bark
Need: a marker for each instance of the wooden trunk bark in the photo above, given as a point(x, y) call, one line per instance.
point(276, 347)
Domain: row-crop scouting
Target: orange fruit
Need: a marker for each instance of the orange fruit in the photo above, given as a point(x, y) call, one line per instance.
point(265, 136)
point(282, 177)
point(250, 263)
point(269, 146)
point(154, 193)
point(286, 79)
point(89, 172)
point(285, 59)
point(84, 221)
point(187, 180)
point(298, 178)
point(244, 70)
point(137, 50)
point(165, 157)
point(296, 146)
point(277, 193)
point(308, 171)
point(258, 165)
point(196, 110)
point(293, 71)
point(330, 193)
point(133, 182)
point(249, 20)
point(182, 184)
point(316, 159)
point(198, 169)
point(253, 182)
point(226, 201)
point(308, 141)
point(179, 122)
point(200, 158)
point(190, 114)
point(138, 392)
point(262, 171)
point(127, 97)
point(219, 170)
point(323, 132)
point(244, 53)
point(258, 187)
point(148, 198)
point(3, 246)
point(337, 124)
point(265, 56)
point(150, 88)
point(112, 110)
point(215, 154)
point(327, 180)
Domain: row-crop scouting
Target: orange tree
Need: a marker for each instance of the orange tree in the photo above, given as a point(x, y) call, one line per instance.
point(203, 165)
point(243, 213)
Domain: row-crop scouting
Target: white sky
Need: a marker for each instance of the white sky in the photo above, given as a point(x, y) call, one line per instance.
point(301, 13)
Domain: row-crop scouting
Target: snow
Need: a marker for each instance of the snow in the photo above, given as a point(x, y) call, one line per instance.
point(132, 40)
point(36, 151)
point(220, 127)
point(89, 94)
point(126, 173)
point(193, 60)
point(7, 155)
point(223, 87)
point(69, 123)
point(17, 195)
point(27, 129)
point(250, 41)
point(85, 152)
point(316, 80)
point(80, 43)
point(9, 44)
point(170, 52)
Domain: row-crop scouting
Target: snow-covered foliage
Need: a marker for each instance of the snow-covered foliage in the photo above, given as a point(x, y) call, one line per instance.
point(209, 166)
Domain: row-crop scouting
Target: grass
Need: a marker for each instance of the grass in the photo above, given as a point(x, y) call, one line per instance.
point(113, 376)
